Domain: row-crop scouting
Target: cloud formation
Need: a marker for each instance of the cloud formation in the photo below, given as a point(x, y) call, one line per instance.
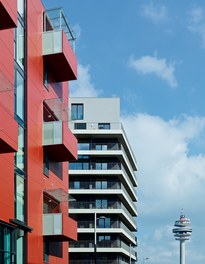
point(197, 23)
point(155, 12)
point(170, 177)
point(83, 87)
point(153, 65)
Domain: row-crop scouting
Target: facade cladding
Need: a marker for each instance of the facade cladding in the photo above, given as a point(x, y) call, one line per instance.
point(102, 185)
point(36, 63)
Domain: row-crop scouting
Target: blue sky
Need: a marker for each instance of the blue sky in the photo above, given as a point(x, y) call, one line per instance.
point(151, 54)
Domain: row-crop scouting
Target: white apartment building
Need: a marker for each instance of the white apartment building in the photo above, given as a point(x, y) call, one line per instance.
point(102, 185)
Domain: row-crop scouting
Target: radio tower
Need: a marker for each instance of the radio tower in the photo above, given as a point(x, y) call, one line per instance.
point(182, 232)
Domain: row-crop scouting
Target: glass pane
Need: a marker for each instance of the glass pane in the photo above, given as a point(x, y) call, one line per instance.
point(104, 203)
point(98, 185)
point(19, 253)
point(21, 7)
point(107, 223)
point(20, 45)
point(104, 184)
point(20, 153)
point(19, 90)
point(98, 203)
point(19, 198)
point(76, 185)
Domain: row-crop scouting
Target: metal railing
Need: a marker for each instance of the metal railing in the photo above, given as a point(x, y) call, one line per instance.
point(113, 224)
point(107, 205)
point(104, 185)
point(55, 19)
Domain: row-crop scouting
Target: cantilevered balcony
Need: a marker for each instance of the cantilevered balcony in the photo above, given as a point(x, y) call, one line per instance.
point(57, 51)
point(8, 14)
point(81, 207)
point(115, 227)
point(8, 132)
point(111, 246)
point(59, 227)
point(105, 188)
point(58, 141)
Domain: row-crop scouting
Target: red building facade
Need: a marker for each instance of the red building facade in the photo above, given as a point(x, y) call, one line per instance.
point(36, 63)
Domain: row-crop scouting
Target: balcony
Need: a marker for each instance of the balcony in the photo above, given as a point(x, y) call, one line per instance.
point(58, 141)
point(8, 14)
point(59, 227)
point(78, 207)
point(103, 187)
point(111, 246)
point(103, 168)
point(114, 227)
point(57, 51)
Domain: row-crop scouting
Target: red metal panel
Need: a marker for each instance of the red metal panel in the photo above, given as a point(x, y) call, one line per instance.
point(8, 14)
point(37, 181)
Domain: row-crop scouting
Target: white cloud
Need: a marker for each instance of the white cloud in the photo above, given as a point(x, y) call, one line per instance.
point(197, 23)
point(170, 177)
point(154, 12)
point(153, 65)
point(83, 87)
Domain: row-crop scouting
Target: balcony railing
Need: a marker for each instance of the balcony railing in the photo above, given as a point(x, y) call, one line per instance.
point(55, 19)
point(59, 142)
point(103, 244)
point(93, 126)
point(99, 261)
point(113, 224)
point(59, 226)
point(108, 205)
point(58, 46)
point(87, 165)
point(103, 186)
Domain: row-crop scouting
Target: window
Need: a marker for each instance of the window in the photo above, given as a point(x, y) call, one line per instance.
point(19, 197)
point(20, 4)
point(45, 164)
point(101, 166)
point(76, 185)
point(19, 95)
point(103, 125)
point(20, 45)
point(83, 146)
point(19, 156)
point(45, 75)
point(104, 222)
point(80, 126)
point(7, 242)
point(101, 184)
point(46, 251)
point(77, 112)
point(101, 203)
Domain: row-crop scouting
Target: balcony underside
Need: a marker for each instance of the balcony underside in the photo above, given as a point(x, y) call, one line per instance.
point(60, 67)
point(8, 132)
point(59, 153)
point(8, 14)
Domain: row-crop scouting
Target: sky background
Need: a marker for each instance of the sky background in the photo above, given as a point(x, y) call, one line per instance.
point(151, 54)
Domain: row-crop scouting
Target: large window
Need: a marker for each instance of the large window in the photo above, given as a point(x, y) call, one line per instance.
point(7, 248)
point(77, 112)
